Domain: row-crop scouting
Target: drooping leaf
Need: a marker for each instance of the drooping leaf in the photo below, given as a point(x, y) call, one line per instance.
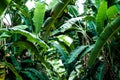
point(30, 75)
point(74, 54)
point(4, 35)
point(11, 67)
point(108, 32)
point(30, 46)
point(66, 25)
point(65, 46)
point(87, 50)
point(62, 52)
point(37, 73)
point(38, 16)
point(101, 16)
point(57, 12)
point(20, 27)
point(26, 45)
point(30, 37)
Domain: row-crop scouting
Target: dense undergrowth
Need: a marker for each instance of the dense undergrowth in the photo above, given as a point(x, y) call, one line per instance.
point(56, 42)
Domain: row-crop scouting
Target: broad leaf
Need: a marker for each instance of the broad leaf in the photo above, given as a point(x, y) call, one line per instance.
point(57, 12)
point(30, 46)
point(30, 37)
point(108, 32)
point(62, 52)
point(101, 16)
point(74, 54)
point(38, 16)
point(20, 27)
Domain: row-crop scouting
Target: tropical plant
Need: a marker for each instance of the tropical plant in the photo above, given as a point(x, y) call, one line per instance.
point(57, 42)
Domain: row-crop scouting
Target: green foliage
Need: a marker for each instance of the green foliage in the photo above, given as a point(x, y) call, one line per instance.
point(38, 16)
point(112, 12)
point(108, 32)
point(73, 55)
point(56, 13)
point(58, 43)
point(66, 26)
point(13, 70)
point(30, 37)
point(101, 16)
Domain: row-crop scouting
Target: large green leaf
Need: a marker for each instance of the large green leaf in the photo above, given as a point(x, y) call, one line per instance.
point(101, 16)
point(30, 37)
point(63, 54)
point(20, 27)
point(30, 46)
point(74, 54)
point(108, 32)
point(38, 16)
point(56, 13)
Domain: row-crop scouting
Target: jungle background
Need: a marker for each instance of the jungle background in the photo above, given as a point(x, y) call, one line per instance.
point(60, 40)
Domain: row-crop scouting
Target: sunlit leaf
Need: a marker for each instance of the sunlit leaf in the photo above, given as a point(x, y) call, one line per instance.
point(101, 16)
point(20, 27)
point(30, 37)
point(38, 16)
point(67, 25)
